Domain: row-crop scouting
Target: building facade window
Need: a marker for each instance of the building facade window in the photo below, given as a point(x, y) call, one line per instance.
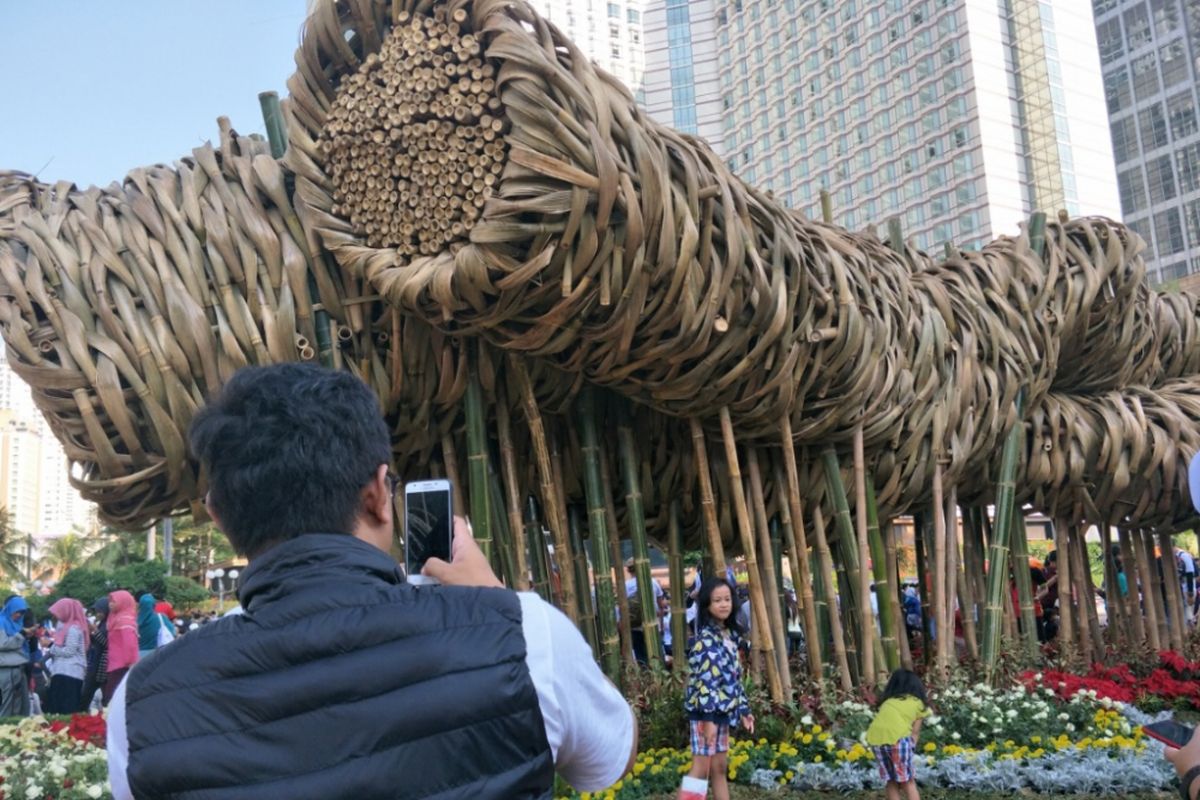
point(1160, 179)
point(1168, 232)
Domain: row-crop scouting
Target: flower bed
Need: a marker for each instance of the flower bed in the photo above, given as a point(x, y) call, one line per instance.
point(1018, 739)
point(1173, 683)
point(54, 759)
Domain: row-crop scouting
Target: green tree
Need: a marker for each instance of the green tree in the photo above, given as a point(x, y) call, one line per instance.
point(67, 552)
point(12, 547)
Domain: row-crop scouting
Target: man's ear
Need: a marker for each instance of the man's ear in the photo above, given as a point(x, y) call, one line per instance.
point(378, 498)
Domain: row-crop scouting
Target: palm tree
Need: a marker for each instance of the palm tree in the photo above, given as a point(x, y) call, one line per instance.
point(66, 553)
point(12, 547)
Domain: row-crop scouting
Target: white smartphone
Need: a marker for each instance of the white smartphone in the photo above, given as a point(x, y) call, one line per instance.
point(428, 526)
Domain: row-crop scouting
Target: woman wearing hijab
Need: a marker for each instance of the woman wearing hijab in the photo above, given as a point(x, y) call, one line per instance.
point(97, 661)
point(122, 628)
point(66, 652)
point(150, 623)
point(14, 655)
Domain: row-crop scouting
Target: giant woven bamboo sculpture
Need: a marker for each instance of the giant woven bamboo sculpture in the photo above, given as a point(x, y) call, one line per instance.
point(466, 182)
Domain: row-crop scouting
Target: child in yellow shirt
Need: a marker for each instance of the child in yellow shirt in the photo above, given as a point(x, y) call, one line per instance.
point(894, 732)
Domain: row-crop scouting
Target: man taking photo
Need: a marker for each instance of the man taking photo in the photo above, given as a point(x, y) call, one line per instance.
point(341, 679)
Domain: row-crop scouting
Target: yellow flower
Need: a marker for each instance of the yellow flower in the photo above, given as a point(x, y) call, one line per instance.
point(817, 729)
point(816, 759)
point(930, 747)
point(807, 739)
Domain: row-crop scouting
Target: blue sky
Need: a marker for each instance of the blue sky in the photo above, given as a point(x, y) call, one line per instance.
point(93, 89)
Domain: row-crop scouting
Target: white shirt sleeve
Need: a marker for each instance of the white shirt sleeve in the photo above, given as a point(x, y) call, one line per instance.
point(118, 746)
point(589, 725)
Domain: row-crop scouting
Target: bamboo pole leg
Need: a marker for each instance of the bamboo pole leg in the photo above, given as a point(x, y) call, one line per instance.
point(606, 602)
point(610, 511)
point(1146, 581)
point(777, 627)
point(1137, 620)
point(555, 516)
point(679, 639)
point(1066, 614)
point(1174, 589)
point(707, 503)
point(508, 471)
point(1024, 581)
point(761, 620)
point(799, 547)
point(651, 632)
point(837, 635)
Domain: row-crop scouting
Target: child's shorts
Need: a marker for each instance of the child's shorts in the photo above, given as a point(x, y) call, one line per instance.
point(895, 761)
point(700, 748)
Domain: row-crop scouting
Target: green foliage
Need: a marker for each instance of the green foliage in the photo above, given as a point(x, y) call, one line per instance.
point(184, 594)
point(657, 700)
point(86, 585)
point(12, 548)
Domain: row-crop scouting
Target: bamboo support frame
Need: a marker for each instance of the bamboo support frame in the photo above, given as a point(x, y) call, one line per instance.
point(555, 515)
point(606, 600)
point(651, 631)
point(837, 636)
point(798, 547)
point(759, 618)
point(775, 615)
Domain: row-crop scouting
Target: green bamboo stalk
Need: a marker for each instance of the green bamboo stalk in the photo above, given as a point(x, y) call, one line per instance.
point(707, 504)
point(998, 560)
point(637, 533)
point(501, 530)
point(771, 582)
point(556, 516)
point(610, 513)
point(923, 580)
point(793, 523)
point(537, 554)
point(678, 590)
point(587, 614)
point(824, 572)
point(1134, 576)
point(1020, 554)
point(477, 459)
point(610, 650)
point(508, 464)
point(760, 619)
point(889, 618)
point(847, 548)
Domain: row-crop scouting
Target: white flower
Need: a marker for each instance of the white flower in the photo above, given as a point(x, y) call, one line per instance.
point(955, 736)
point(1070, 727)
point(95, 791)
point(1064, 716)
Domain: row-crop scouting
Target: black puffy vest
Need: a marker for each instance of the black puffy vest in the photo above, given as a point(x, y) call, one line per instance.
point(341, 680)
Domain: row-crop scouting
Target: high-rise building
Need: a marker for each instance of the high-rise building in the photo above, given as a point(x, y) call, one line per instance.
point(34, 482)
point(960, 117)
point(1150, 54)
point(610, 33)
point(681, 67)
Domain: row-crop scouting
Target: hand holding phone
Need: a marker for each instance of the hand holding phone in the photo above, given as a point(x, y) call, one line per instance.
point(428, 526)
point(468, 567)
point(1169, 732)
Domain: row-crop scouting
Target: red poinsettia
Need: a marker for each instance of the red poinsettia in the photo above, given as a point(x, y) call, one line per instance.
point(88, 728)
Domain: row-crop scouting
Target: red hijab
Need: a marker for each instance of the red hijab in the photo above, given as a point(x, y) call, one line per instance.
point(70, 614)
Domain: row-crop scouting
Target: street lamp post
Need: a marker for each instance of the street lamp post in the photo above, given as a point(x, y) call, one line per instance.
point(216, 577)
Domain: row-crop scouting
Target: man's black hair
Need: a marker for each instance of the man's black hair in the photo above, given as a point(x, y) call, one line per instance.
point(704, 600)
point(903, 683)
point(288, 449)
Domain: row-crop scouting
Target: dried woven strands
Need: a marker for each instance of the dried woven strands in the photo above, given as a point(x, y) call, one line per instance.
point(627, 253)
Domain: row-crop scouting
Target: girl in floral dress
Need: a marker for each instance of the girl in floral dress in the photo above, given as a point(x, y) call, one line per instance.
point(715, 699)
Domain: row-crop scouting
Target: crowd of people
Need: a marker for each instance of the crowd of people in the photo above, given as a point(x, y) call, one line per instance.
point(73, 660)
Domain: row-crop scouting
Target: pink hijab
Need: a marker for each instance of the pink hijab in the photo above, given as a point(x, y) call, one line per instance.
point(122, 630)
point(70, 614)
